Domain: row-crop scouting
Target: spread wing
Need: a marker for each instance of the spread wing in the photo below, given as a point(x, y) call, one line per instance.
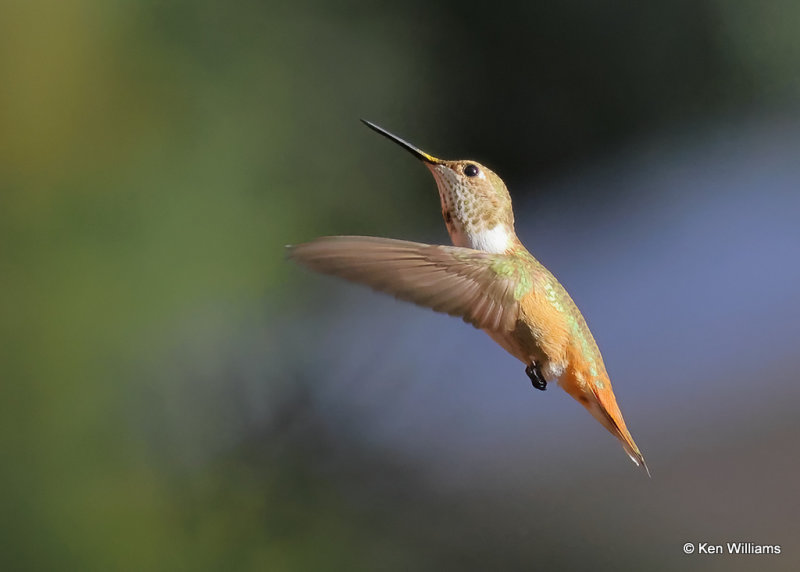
point(457, 281)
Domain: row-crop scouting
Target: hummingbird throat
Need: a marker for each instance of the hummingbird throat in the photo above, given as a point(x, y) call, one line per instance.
point(473, 217)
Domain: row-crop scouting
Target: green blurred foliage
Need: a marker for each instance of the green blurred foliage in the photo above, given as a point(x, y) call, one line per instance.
point(156, 157)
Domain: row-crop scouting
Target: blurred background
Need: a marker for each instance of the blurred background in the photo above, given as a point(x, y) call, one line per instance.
point(176, 395)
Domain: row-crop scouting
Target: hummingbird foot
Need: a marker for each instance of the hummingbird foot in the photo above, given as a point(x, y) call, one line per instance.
point(537, 379)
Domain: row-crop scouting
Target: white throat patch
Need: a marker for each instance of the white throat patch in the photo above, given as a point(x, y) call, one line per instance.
point(495, 240)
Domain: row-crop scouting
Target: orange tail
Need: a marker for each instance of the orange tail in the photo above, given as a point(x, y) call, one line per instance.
point(599, 400)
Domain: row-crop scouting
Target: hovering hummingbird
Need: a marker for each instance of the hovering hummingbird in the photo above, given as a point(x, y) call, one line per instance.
point(489, 279)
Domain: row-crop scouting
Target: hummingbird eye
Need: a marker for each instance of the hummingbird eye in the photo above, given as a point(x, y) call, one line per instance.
point(471, 170)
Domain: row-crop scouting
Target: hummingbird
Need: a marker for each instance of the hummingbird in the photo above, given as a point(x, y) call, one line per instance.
point(487, 278)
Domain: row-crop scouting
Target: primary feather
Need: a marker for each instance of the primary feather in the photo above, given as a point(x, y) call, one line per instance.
point(453, 280)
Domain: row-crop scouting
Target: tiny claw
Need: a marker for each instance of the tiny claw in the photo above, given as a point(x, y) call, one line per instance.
point(536, 377)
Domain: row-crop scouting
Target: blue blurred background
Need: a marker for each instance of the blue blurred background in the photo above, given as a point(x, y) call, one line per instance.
point(176, 395)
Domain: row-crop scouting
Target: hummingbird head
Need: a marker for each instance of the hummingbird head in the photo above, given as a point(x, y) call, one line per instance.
point(476, 206)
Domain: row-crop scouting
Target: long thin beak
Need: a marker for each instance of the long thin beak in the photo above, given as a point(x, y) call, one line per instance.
point(418, 153)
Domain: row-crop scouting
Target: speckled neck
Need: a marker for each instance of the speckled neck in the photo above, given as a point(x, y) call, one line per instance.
point(476, 210)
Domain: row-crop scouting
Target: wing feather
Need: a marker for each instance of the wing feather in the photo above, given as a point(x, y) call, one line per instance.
point(457, 281)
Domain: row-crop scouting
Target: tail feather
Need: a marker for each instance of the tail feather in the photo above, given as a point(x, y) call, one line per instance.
point(601, 403)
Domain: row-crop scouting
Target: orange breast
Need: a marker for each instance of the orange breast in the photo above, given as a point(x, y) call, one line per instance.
point(544, 330)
